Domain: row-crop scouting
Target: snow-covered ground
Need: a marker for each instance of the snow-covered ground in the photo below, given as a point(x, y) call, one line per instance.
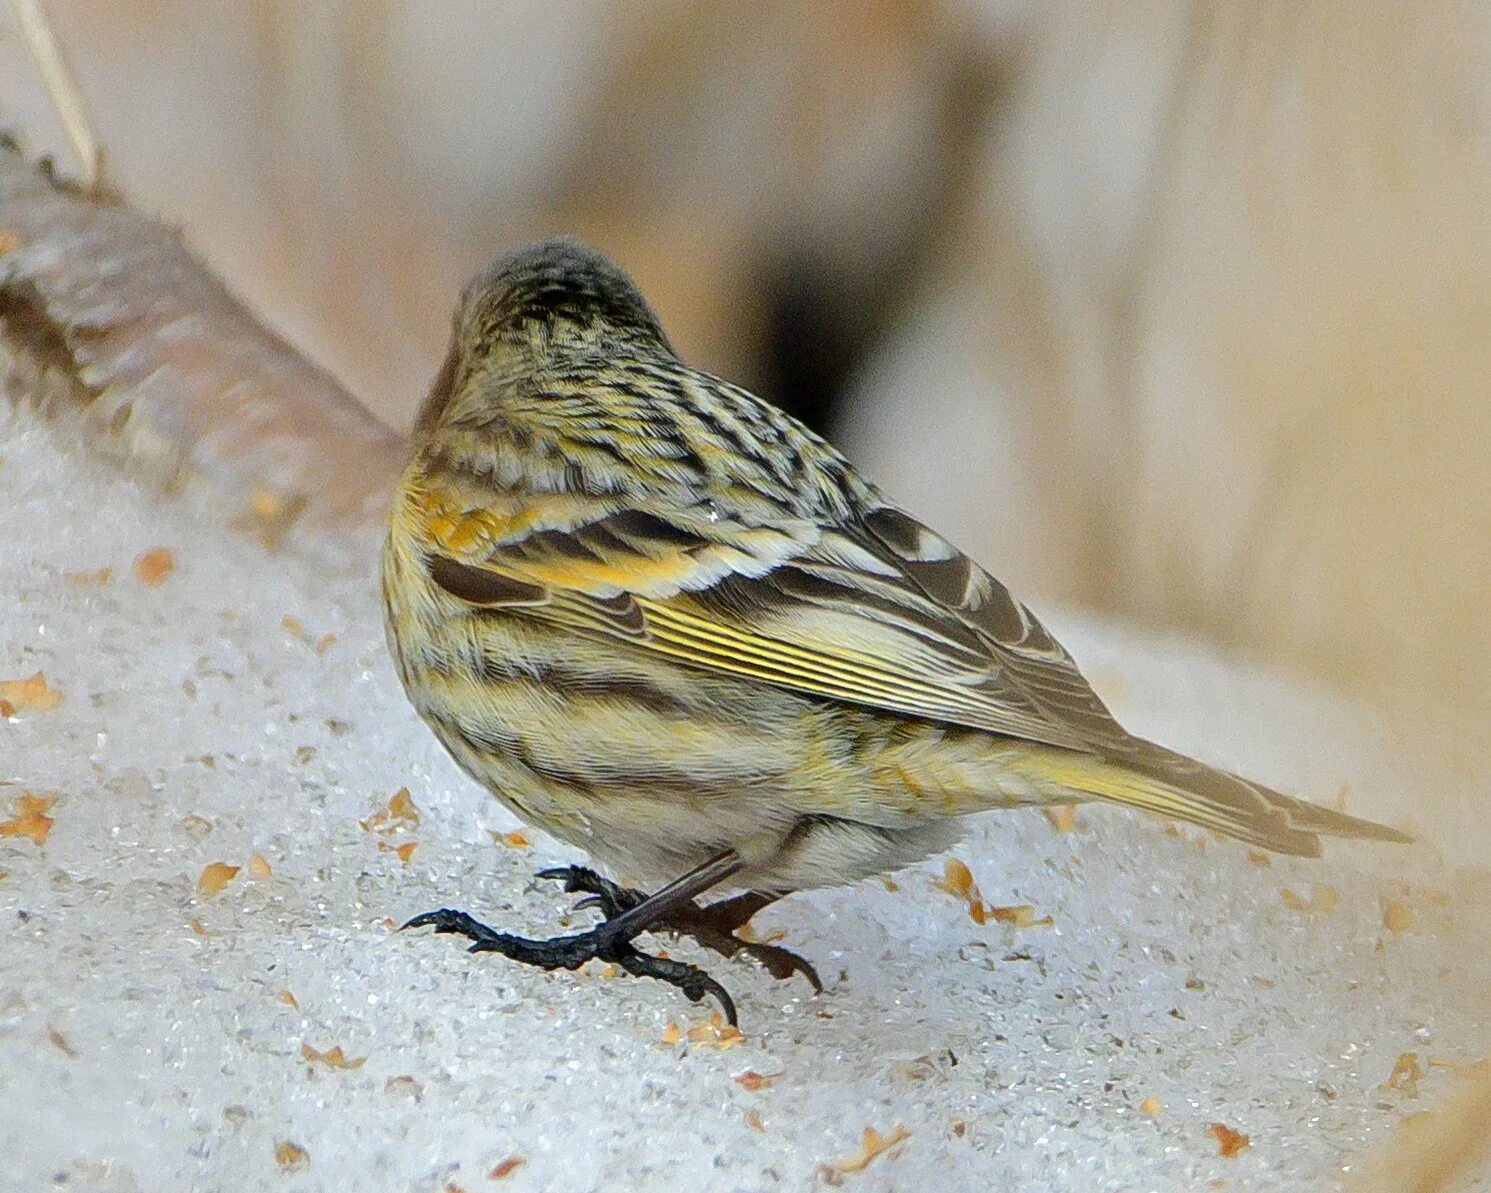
point(155, 1035)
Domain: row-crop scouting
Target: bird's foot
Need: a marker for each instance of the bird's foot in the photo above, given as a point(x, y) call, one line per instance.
point(704, 926)
point(571, 952)
point(607, 897)
point(714, 927)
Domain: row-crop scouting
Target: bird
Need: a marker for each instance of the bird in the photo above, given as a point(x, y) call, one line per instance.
point(669, 625)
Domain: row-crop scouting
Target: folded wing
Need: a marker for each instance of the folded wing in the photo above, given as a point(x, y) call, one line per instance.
point(872, 609)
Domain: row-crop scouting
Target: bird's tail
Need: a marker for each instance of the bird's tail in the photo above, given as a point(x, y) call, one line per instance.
point(1170, 784)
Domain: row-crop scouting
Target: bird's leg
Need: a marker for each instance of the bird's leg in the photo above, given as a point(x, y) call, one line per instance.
point(610, 941)
point(734, 913)
point(714, 926)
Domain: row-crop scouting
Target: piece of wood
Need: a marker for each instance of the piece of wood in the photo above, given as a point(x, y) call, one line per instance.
point(106, 316)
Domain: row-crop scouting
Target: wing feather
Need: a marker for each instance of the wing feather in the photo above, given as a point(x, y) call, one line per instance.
point(874, 610)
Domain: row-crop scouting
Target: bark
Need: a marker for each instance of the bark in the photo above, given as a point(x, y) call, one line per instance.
point(108, 320)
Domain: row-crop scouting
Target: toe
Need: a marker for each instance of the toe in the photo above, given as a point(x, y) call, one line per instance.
point(573, 877)
point(440, 920)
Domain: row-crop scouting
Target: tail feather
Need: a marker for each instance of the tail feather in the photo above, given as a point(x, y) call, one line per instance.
point(1162, 781)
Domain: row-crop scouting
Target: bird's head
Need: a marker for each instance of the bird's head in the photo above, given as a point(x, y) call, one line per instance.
point(554, 297)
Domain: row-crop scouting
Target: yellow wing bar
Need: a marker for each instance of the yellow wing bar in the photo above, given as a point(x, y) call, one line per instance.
point(841, 674)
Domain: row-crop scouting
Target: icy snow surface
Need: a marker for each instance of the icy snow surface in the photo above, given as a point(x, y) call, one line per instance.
point(147, 1042)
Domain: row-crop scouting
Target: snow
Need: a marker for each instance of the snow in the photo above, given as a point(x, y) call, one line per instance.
point(146, 1040)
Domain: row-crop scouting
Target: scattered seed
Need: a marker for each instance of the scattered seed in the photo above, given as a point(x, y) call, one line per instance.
point(291, 1155)
point(154, 566)
point(872, 1145)
point(31, 819)
point(1229, 1142)
point(32, 694)
point(215, 877)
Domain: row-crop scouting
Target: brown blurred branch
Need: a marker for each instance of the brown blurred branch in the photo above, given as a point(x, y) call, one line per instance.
point(105, 314)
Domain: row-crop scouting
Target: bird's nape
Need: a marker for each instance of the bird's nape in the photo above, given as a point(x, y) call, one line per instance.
point(557, 284)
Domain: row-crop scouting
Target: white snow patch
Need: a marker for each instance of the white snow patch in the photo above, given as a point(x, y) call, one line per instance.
point(138, 1053)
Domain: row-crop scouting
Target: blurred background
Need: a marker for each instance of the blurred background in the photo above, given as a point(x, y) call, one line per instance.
point(1176, 310)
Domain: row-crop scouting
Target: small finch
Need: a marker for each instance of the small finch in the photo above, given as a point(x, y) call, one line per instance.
point(665, 622)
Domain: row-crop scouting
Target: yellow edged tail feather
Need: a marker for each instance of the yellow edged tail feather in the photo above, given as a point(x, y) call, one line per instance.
point(1161, 781)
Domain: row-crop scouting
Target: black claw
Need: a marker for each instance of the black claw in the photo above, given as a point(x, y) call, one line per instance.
point(578, 878)
point(611, 899)
point(783, 963)
point(692, 980)
point(571, 952)
point(446, 920)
